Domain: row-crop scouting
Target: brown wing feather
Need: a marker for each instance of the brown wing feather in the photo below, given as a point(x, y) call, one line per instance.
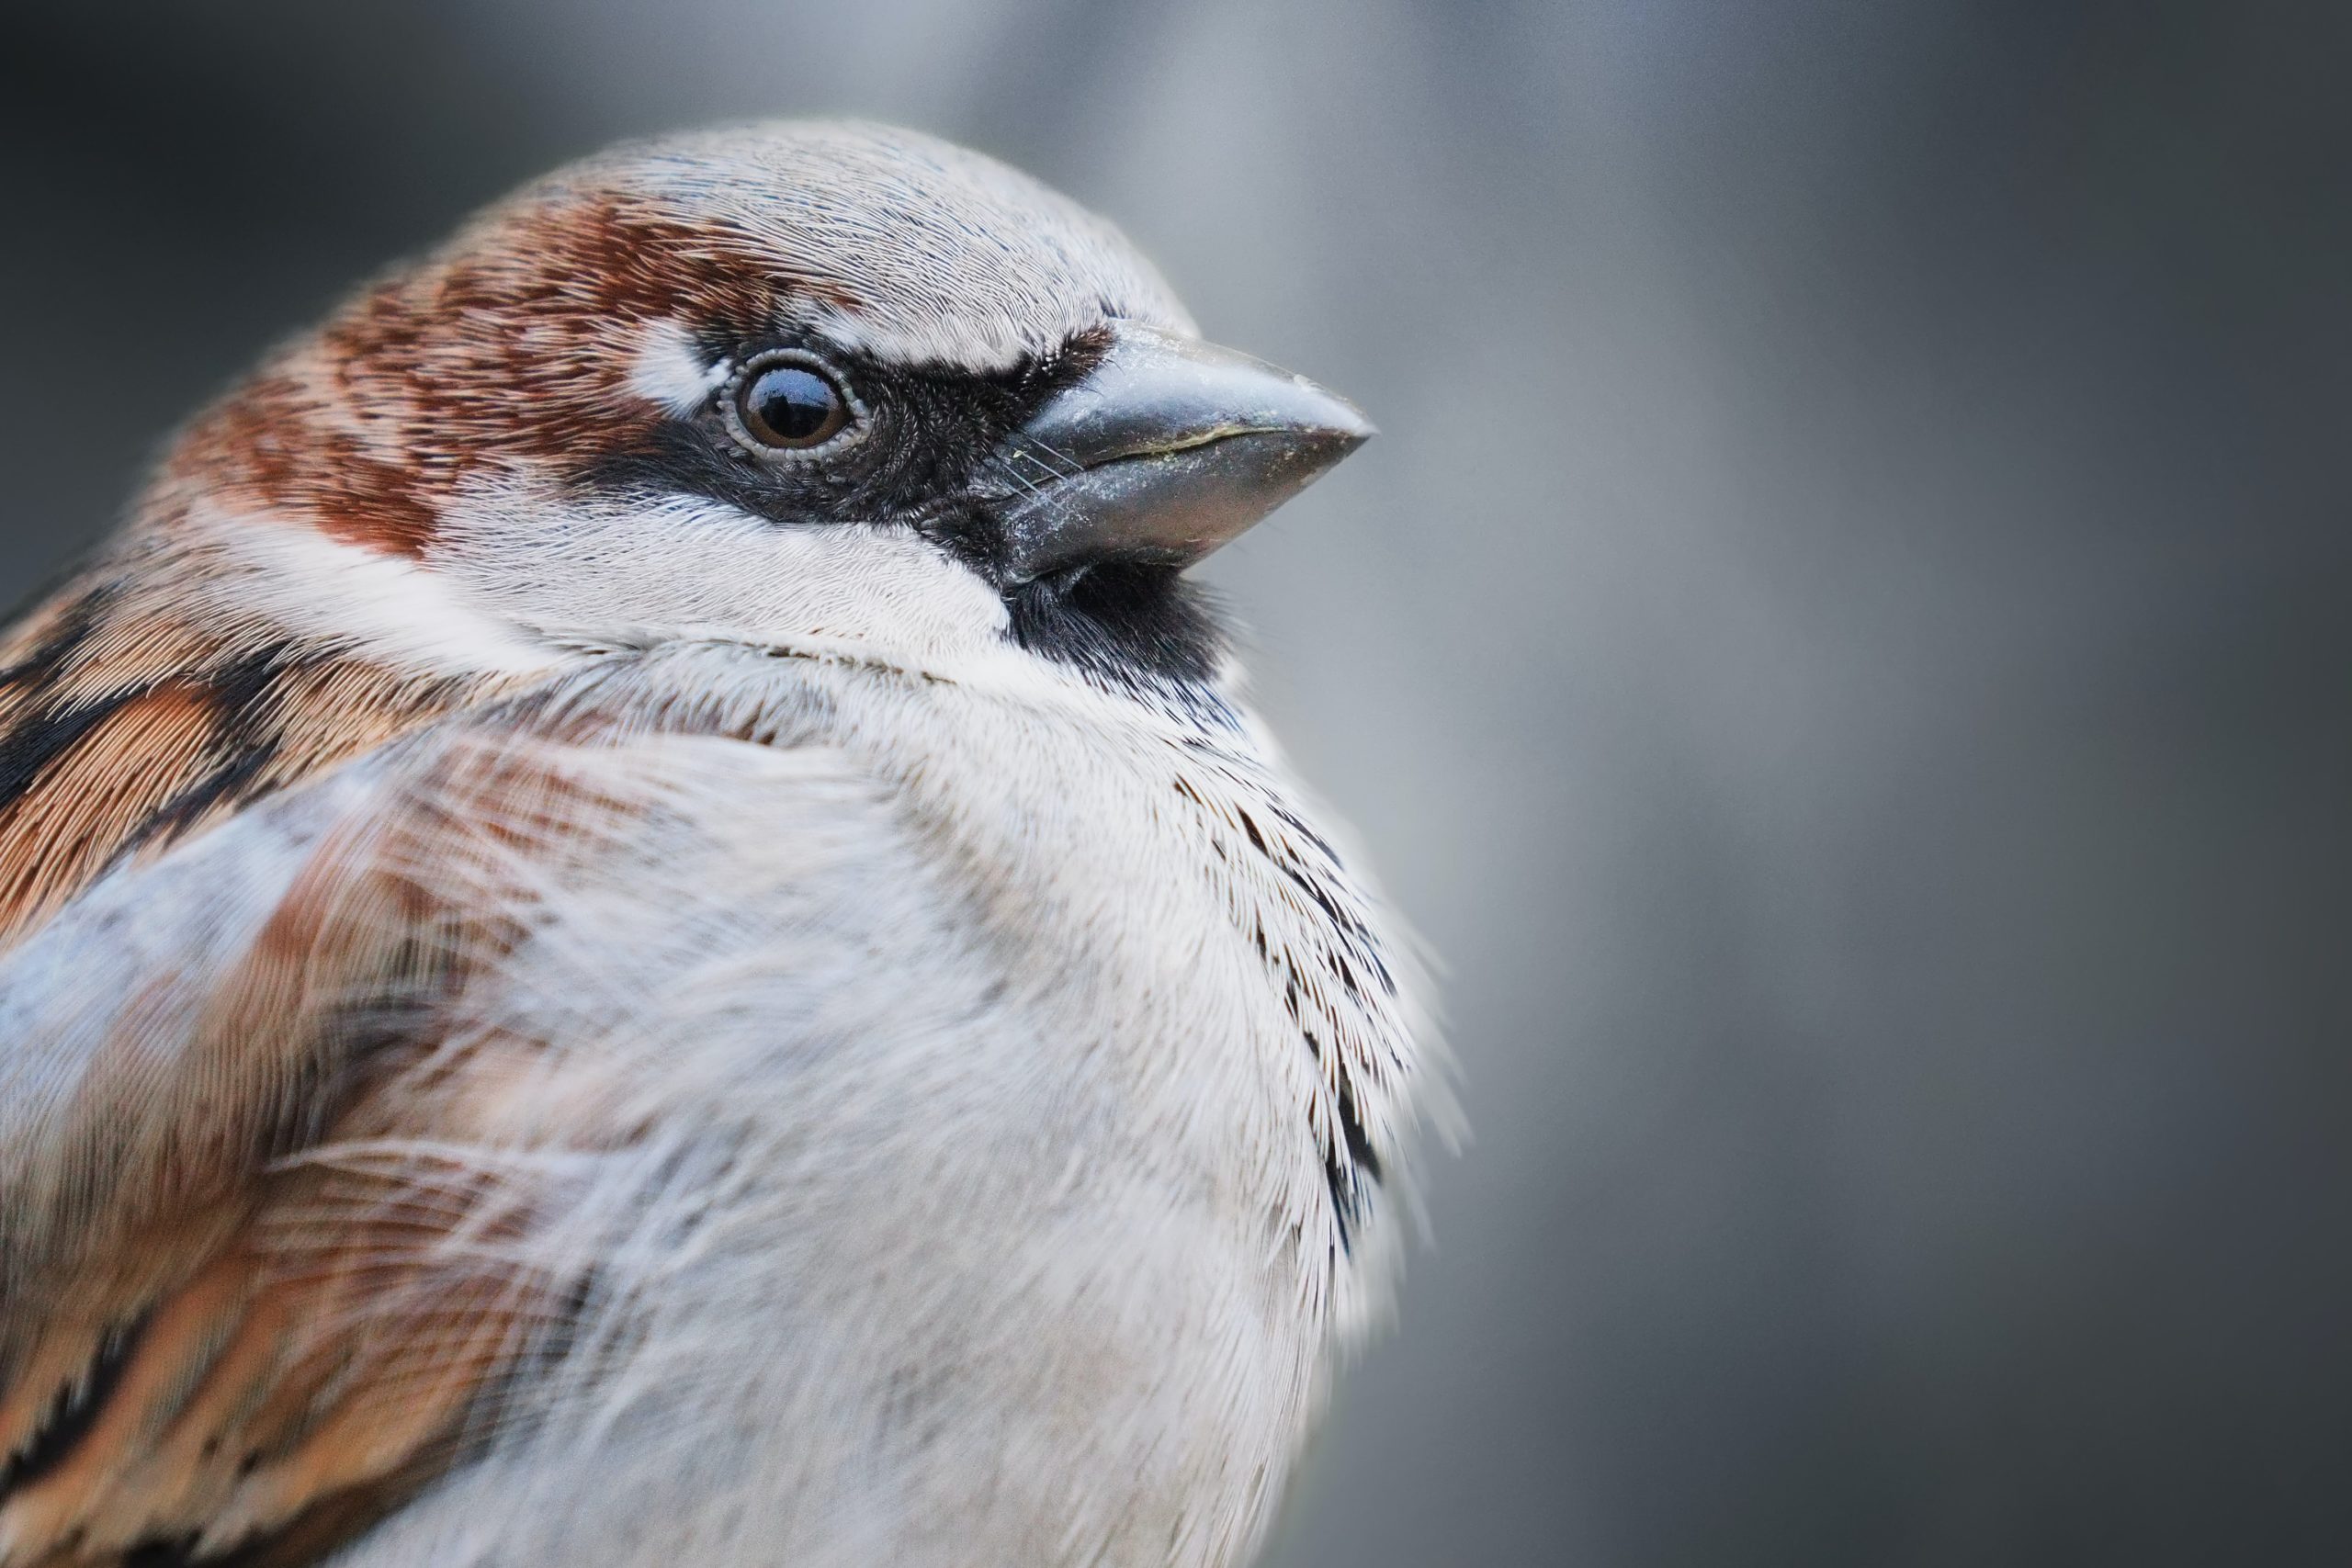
point(123, 728)
point(299, 1363)
point(261, 1330)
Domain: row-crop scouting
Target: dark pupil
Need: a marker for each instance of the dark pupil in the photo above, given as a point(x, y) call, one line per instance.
point(788, 403)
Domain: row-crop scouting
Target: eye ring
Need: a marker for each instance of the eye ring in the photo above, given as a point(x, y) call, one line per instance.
point(788, 402)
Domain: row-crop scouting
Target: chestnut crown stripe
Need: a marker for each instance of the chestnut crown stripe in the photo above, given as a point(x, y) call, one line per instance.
point(499, 354)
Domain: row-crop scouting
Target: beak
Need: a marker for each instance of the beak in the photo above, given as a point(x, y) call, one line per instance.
point(1167, 448)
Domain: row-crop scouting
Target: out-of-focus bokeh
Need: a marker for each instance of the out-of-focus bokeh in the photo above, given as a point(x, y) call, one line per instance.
point(1843, 649)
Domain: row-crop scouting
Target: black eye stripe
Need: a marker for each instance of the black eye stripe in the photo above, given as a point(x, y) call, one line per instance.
point(920, 438)
point(917, 434)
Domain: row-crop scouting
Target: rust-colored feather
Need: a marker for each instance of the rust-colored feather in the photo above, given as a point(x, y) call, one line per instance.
point(122, 730)
point(277, 1330)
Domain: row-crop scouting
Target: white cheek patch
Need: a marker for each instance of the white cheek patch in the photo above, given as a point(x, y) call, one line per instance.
point(287, 574)
point(615, 574)
point(666, 370)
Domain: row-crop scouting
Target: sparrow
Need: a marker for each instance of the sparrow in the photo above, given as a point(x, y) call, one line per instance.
point(642, 921)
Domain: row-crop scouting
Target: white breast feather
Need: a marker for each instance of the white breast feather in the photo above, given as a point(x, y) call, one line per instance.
point(945, 1159)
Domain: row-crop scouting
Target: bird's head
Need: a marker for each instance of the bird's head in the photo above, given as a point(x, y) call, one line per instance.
point(801, 385)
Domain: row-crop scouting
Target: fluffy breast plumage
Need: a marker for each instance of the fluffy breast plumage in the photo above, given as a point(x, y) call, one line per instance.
point(922, 1120)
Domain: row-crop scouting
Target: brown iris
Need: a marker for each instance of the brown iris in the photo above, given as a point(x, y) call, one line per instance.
point(792, 405)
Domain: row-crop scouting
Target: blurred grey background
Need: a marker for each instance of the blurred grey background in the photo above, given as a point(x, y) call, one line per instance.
point(1841, 648)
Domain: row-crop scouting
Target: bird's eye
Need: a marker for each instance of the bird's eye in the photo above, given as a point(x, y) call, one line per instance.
point(791, 405)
